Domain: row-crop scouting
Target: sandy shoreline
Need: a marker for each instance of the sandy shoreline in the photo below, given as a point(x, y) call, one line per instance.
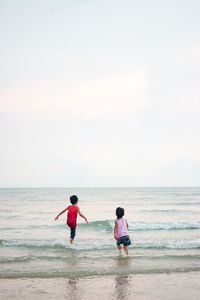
point(142, 286)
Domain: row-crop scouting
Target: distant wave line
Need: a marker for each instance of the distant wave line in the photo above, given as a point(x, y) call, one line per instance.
point(29, 258)
point(87, 273)
point(63, 244)
point(169, 211)
point(108, 226)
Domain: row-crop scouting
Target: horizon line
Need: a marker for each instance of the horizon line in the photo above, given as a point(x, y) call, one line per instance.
point(95, 187)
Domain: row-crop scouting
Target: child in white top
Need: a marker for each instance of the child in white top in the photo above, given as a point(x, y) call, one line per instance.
point(121, 231)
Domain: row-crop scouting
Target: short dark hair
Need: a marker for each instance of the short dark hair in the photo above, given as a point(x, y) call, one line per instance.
point(73, 199)
point(119, 212)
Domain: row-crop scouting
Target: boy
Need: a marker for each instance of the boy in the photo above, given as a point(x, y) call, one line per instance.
point(72, 216)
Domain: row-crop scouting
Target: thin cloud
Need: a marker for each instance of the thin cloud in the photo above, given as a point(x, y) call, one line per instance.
point(90, 99)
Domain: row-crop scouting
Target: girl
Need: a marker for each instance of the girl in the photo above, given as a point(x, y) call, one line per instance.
point(121, 230)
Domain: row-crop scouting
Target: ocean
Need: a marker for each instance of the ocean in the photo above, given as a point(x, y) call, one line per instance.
point(38, 262)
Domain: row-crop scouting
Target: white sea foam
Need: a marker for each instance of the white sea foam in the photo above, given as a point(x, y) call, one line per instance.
point(173, 244)
point(104, 245)
point(108, 225)
point(163, 226)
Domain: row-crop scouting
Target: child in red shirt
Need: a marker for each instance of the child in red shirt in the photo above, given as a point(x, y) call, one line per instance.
point(72, 216)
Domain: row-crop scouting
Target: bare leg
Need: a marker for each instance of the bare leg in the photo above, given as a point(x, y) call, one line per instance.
point(126, 250)
point(72, 235)
point(119, 247)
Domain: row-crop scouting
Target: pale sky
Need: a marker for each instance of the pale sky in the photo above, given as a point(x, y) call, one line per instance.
point(99, 93)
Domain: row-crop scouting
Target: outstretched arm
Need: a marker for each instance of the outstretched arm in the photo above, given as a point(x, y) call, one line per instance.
point(80, 214)
point(115, 230)
point(127, 224)
point(62, 212)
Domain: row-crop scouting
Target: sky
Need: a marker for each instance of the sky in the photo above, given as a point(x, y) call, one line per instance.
point(99, 93)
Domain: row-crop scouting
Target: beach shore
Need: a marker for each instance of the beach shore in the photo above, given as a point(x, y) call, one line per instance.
point(172, 286)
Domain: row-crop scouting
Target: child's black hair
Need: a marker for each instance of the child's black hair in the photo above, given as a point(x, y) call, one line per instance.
point(119, 212)
point(73, 199)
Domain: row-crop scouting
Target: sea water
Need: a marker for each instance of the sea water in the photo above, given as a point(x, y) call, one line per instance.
point(164, 226)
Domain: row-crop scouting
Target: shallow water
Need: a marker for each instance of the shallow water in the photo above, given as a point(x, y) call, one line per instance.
point(164, 228)
point(172, 286)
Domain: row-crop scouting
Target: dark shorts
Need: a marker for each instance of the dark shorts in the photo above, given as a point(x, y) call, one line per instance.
point(72, 233)
point(125, 240)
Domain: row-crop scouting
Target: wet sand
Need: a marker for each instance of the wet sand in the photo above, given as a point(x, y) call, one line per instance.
point(173, 286)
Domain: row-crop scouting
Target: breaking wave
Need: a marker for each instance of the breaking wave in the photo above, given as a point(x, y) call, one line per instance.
point(108, 225)
point(102, 245)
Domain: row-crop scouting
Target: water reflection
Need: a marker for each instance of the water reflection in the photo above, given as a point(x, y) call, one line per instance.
point(122, 287)
point(122, 281)
point(73, 292)
point(72, 289)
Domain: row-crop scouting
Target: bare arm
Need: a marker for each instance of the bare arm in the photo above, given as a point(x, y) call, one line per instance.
point(62, 212)
point(127, 224)
point(80, 214)
point(115, 230)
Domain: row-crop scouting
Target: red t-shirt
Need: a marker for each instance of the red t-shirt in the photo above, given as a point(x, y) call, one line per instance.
point(71, 216)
